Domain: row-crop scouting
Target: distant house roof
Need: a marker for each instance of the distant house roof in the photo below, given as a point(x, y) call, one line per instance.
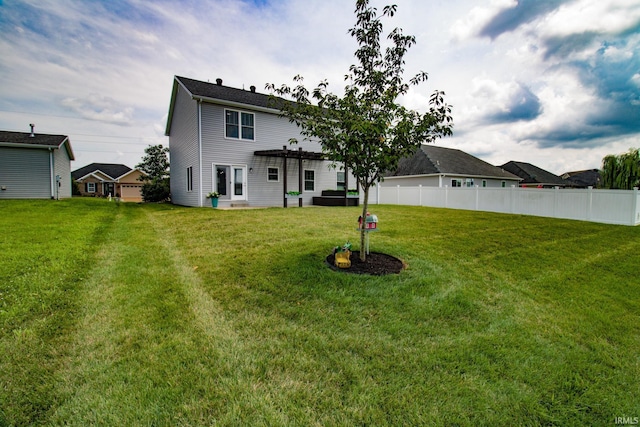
point(35, 140)
point(531, 174)
point(110, 169)
point(216, 92)
point(434, 160)
point(583, 179)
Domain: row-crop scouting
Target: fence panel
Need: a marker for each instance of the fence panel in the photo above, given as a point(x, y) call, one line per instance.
point(606, 206)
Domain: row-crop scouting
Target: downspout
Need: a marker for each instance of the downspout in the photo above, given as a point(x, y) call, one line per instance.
point(200, 152)
point(52, 177)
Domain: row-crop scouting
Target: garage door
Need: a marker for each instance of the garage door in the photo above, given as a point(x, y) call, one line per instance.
point(131, 193)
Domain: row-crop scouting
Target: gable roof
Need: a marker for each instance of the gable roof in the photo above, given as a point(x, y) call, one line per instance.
point(112, 170)
point(585, 178)
point(38, 140)
point(218, 93)
point(433, 160)
point(531, 174)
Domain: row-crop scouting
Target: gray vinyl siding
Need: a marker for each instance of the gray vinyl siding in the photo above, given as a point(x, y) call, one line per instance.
point(25, 173)
point(433, 181)
point(271, 132)
point(62, 167)
point(183, 150)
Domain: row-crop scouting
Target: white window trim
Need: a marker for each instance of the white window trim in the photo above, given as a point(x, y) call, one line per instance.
point(304, 180)
point(89, 185)
point(240, 112)
point(344, 181)
point(278, 172)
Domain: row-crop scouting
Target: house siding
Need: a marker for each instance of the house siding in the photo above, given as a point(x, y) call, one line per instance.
point(62, 167)
point(25, 173)
point(183, 150)
point(271, 132)
point(434, 181)
point(197, 139)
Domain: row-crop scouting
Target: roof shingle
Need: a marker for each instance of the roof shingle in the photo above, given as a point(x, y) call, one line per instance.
point(431, 159)
point(111, 169)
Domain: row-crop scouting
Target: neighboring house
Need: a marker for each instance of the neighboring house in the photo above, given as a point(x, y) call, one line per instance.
point(35, 165)
point(533, 176)
point(582, 179)
point(108, 179)
point(232, 141)
point(434, 166)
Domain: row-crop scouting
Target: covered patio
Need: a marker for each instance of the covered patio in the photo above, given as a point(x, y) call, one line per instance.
point(298, 155)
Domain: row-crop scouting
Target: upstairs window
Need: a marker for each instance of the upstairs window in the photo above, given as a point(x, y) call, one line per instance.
point(239, 125)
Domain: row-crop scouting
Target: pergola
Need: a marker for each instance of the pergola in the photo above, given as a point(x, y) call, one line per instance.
point(299, 154)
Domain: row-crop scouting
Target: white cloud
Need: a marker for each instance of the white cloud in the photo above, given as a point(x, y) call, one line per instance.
point(100, 108)
point(469, 26)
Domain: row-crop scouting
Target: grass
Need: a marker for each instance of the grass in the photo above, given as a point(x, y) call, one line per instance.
point(123, 314)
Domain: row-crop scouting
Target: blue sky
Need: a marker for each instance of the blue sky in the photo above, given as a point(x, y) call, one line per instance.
point(551, 82)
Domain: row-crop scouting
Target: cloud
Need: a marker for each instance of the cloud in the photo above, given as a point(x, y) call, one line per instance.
point(523, 12)
point(100, 108)
point(504, 102)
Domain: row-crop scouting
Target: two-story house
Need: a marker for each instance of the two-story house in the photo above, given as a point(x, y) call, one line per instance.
point(234, 142)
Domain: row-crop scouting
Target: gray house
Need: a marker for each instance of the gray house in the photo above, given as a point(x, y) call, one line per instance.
point(533, 176)
point(435, 166)
point(233, 142)
point(35, 165)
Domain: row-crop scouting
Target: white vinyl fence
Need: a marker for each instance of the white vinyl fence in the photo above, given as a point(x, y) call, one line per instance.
point(606, 206)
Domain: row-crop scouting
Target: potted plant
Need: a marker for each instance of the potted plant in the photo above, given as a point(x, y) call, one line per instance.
point(214, 198)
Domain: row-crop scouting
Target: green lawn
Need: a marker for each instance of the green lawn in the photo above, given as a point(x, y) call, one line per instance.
point(124, 314)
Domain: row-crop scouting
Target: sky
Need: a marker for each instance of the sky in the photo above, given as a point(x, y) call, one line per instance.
point(555, 83)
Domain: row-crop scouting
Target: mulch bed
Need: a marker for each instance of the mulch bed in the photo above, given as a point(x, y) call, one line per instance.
point(377, 264)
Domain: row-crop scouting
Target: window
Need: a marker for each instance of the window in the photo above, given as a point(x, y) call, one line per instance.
point(190, 178)
point(456, 183)
point(341, 181)
point(309, 180)
point(239, 125)
point(484, 183)
point(504, 184)
point(91, 187)
point(468, 182)
point(273, 174)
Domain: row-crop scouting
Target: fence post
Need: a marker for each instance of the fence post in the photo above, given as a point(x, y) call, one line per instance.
point(555, 201)
point(590, 203)
point(477, 195)
point(512, 202)
point(420, 195)
point(634, 206)
point(446, 196)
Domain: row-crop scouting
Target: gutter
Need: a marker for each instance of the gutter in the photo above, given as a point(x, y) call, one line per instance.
point(52, 177)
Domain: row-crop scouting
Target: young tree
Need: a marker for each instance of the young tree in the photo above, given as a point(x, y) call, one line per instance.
point(621, 171)
point(155, 164)
point(366, 129)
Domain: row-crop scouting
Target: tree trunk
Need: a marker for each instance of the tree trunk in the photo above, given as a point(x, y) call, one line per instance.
point(365, 207)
